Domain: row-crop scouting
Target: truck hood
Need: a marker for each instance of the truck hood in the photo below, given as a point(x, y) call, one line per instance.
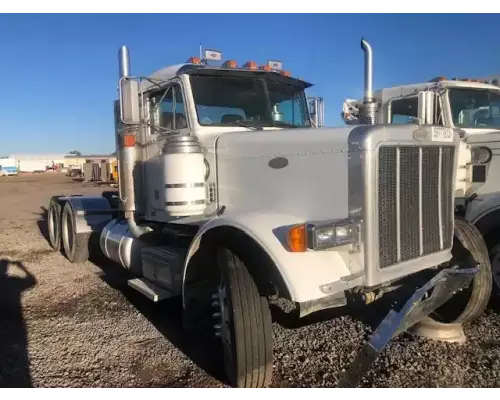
point(299, 172)
point(469, 132)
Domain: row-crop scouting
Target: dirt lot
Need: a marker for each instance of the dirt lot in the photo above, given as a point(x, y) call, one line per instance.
point(81, 326)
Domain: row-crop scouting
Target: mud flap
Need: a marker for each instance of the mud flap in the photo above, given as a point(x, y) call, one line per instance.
point(444, 284)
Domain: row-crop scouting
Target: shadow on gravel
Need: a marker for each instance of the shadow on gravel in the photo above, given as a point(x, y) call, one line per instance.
point(166, 316)
point(14, 361)
point(42, 223)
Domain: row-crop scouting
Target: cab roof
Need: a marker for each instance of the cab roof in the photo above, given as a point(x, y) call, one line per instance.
point(445, 83)
point(173, 71)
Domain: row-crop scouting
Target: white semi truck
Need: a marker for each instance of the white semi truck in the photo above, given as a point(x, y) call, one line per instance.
point(227, 196)
point(471, 105)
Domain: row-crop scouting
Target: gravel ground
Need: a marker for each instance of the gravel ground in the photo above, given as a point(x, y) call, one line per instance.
point(64, 325)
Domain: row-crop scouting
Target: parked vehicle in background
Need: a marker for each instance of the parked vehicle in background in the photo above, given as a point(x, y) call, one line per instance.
point(34, 166)
point(8, 166)
point(473, 107)
point(74, 171)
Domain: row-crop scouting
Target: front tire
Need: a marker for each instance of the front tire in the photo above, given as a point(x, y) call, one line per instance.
point(76, 246)
point(245, 326)
point(469, 304)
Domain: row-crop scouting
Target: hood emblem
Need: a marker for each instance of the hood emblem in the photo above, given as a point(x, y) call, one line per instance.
point(278, 162)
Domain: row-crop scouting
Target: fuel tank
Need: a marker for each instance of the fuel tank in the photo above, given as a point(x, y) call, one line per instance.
point(118, 244)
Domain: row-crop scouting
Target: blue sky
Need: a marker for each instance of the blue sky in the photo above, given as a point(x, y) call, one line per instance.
point(60, 71)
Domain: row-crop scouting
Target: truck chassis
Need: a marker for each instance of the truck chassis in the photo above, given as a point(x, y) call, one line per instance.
point(76, 222)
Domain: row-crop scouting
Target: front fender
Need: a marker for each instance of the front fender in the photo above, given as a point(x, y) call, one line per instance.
point(302, 273)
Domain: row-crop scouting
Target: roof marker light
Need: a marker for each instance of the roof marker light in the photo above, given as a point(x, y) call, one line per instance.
point(230, 64)
point(250, 65)
point(194, 60)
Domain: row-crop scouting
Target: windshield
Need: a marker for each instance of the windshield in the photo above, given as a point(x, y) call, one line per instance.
point(475, 108)
point(242, 101)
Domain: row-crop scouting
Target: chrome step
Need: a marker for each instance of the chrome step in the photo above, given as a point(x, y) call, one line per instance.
point(149, 289)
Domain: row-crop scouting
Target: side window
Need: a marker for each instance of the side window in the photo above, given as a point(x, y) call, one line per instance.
point(403, 110)
point(288, 103)
point(167, 109)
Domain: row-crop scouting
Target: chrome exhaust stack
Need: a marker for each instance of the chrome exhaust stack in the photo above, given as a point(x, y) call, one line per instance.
point(367, 113)
point(129, 116)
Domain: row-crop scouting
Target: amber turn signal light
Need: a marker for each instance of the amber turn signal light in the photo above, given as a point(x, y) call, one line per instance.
point(297, 242)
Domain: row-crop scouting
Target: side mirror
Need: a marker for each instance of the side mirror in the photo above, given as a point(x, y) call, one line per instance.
point(129, 101)
point(312, 108)
point(313, 114)
point(426, 105)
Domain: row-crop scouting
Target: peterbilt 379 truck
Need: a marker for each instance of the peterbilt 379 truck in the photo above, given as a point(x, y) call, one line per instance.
point(471, 105)
point(229, 194)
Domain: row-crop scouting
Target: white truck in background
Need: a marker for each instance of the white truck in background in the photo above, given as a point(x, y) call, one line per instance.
point(473, 107)
point(32, 165)
point(8, 166)
point(228, 196)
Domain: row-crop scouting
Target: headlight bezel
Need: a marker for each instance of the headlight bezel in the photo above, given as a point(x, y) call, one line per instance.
point(314, 229)
point(481, 155)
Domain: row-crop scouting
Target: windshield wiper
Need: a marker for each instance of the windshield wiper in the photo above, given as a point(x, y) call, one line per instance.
point(246, 124)
point(284, 124)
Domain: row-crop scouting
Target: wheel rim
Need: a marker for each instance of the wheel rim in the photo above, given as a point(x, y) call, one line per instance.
point(452, 310)
point(52, 224)
point(70, 231)
point(495, 268)
point(223, 324)
point(67, 233)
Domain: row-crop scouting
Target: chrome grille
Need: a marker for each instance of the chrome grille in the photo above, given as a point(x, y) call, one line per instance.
point(415, 202)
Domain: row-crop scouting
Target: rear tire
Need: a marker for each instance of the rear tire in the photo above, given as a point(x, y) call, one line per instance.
point(54, 224)
point(245, 325)
point(76, 246)
point(469, 304)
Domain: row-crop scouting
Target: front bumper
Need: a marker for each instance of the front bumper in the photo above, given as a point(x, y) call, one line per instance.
point(444, 284)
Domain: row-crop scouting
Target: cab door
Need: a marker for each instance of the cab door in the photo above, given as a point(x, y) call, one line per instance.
point(167, 116)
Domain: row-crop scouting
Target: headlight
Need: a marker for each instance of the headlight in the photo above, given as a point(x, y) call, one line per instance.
point(481, 155)
point(332, 234)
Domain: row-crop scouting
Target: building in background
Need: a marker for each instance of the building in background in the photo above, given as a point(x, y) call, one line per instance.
point(57, 162)
point(38, 162)
point(79, 160)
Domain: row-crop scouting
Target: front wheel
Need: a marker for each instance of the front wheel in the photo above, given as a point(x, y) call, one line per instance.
point(469, 304)
point(244, 324)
